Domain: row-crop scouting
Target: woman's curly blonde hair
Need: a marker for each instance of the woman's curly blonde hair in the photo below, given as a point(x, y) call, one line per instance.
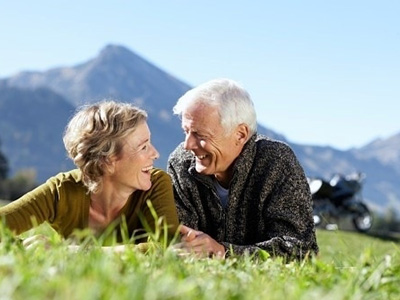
point(95, 133)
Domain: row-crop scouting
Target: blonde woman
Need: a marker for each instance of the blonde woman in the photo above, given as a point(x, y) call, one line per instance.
point(110, 144)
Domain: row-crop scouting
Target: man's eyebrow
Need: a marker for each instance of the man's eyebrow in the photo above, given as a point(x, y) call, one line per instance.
point(188, 128)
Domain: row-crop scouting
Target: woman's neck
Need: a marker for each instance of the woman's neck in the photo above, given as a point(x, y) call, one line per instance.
point(106, 205)
point(108, 201)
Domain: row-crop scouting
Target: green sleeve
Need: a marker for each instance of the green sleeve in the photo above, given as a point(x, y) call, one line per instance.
point(32, 209)
point(162, 199)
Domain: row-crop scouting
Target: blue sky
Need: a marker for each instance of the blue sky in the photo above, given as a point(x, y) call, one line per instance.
point(319, 72)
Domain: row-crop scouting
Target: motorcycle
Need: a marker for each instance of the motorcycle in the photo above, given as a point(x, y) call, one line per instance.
point(340, 197)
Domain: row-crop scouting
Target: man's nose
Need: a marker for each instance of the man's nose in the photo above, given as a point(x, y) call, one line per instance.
point(190, 141)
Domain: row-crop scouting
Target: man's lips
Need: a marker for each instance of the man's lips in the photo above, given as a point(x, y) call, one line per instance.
point(201, 157)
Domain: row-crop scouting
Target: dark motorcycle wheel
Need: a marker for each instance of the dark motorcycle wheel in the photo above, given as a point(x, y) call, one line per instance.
point(362, 219)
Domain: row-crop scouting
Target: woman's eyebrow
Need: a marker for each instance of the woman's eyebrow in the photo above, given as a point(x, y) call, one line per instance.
point(142, 142)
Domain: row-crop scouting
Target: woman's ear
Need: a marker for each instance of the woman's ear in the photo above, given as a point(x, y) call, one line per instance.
point(109, 165)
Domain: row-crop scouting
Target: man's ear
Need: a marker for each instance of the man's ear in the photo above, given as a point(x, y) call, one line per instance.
point(242, 133)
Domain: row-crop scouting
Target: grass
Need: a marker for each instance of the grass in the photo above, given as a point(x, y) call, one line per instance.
point(350, 266)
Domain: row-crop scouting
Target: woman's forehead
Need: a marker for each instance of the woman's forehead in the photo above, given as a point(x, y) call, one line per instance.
point(139, 135)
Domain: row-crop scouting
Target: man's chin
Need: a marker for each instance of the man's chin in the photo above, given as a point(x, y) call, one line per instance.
point(202, 169)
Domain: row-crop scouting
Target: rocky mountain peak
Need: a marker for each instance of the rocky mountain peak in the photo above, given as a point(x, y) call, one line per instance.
point(387, 151)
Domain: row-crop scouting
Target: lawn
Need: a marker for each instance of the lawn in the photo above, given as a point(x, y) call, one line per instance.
point(349, 266)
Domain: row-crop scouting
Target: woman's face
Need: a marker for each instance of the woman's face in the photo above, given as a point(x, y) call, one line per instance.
point(131, 169)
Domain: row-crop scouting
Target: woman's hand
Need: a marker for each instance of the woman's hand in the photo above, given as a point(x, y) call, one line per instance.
point(35, 241)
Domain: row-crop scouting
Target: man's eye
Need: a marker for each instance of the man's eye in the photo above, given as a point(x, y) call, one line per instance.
point(144, 148)
point(202, 137)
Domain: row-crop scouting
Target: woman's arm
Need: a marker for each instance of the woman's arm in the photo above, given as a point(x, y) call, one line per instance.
point(30, 210)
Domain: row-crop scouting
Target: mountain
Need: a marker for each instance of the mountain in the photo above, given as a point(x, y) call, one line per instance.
point(382, 162)
point(31, 127)
point(118, 73)
point(386, 151)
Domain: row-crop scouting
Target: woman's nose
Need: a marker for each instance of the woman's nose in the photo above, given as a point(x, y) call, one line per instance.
point(155, 154)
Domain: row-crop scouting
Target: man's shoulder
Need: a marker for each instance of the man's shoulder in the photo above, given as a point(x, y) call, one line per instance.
point(272, 152)
point(265, 143)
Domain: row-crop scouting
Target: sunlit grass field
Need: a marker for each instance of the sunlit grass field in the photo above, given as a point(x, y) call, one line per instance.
point(349, 266)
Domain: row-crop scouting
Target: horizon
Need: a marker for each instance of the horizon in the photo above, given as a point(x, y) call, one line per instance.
point(322, 74)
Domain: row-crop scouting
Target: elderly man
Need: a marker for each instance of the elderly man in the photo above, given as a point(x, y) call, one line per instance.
point(236, 191)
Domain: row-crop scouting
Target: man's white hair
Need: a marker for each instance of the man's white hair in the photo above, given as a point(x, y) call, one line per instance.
point(229, 97)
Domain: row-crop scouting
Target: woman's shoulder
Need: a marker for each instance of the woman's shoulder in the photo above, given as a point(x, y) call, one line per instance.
point(69, 182)
point(72, 176)
point(158, 174)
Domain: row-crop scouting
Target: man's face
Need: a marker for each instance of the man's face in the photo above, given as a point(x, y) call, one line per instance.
point(215, 150)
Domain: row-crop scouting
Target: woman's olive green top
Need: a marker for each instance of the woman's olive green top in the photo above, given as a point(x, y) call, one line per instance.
point(63, 201)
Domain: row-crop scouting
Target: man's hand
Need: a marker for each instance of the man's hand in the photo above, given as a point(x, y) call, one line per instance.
point(199, 243)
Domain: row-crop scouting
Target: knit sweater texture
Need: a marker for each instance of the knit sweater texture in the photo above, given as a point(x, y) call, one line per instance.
point(63, 201)
point(269, 206)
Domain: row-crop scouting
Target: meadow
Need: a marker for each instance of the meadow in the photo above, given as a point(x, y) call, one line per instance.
point(349, 266)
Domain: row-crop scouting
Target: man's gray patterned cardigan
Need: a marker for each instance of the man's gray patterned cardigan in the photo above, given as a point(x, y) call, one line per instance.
point(269, 204)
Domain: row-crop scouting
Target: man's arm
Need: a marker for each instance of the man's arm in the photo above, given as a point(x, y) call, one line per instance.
point(185, 209)
point(286, 225)
point(199, 243)
point(202, 245)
